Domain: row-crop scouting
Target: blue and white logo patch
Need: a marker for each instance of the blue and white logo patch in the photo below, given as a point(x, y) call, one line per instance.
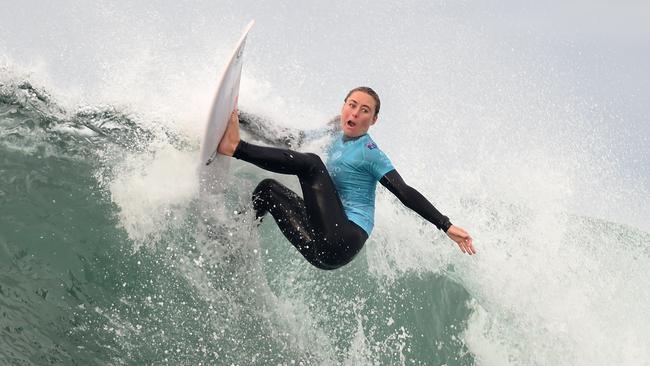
point(371, 145)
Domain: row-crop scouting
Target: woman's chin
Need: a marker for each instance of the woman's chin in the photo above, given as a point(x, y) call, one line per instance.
point(348, 131)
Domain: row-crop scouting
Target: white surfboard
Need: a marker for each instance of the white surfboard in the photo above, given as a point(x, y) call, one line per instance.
point(214, 167)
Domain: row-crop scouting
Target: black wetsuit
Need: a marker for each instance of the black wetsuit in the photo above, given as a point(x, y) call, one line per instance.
point(317, 224)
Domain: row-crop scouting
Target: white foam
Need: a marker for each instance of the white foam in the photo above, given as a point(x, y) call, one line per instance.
point(153, 190)
point(490, 121)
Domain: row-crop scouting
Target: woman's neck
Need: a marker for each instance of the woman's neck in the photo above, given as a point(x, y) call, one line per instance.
point(349, 138)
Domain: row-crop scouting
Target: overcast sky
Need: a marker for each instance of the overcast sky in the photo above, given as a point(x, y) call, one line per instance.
point(605, 44)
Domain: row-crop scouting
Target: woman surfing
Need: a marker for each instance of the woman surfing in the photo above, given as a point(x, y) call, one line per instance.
point(332, 221)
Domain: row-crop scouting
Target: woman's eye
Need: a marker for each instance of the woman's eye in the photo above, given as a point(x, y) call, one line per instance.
point(364, 110)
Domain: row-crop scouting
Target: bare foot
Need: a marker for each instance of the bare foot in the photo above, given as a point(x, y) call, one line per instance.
point(230, 138)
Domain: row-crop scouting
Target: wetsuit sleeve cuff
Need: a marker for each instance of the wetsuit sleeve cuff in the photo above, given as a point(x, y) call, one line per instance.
point(445, 226)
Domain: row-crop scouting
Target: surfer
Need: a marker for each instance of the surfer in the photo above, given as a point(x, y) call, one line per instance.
point(332, 221)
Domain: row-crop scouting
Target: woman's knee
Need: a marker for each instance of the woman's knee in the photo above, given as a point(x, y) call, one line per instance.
point(315, 163)
point(262, 194)
point(264, 186)
point(314, 159)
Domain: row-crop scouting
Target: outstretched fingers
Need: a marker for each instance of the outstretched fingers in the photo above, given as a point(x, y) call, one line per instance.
point(462, 238)
point(468, 246)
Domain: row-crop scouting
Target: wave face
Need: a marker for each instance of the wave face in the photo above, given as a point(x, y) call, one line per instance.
point(103, 265)
point(108, 256)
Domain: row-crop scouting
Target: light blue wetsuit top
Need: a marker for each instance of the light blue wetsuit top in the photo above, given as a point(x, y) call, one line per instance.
point(356, 165)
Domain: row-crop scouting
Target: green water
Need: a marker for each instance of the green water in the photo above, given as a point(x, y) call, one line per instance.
point(107, 257)
point(75, 289)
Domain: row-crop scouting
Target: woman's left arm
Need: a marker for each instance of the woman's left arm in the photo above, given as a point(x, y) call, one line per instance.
point(414, 200)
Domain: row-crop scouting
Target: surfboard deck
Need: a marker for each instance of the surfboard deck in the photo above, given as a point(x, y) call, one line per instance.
point(214, 167)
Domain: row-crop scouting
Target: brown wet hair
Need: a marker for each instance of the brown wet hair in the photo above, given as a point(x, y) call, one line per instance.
point(368, 91)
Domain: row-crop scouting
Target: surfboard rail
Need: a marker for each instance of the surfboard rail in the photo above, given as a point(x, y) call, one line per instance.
point(213, 168)
point(224, 100)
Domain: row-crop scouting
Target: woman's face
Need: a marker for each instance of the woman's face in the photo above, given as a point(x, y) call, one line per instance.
point(358, 114)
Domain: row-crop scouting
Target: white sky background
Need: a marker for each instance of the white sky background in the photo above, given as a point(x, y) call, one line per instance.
point(615, 35)
point(605, 45)
point(610, 40)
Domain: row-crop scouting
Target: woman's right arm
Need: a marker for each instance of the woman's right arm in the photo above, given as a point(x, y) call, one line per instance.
point(261, 129)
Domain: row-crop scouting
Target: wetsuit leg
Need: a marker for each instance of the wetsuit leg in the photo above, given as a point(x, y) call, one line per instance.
point(290, 214)
point(317, 224)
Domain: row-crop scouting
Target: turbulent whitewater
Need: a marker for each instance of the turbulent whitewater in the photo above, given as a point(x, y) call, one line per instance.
point(108, 257)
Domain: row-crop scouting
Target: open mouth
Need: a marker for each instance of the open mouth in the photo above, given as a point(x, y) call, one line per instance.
point(350, 123)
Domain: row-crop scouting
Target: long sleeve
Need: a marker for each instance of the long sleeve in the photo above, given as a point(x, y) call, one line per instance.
point(263, 130)
point(412, 199)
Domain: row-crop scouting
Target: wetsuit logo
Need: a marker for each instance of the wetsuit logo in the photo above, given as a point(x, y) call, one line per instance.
point(371, 145)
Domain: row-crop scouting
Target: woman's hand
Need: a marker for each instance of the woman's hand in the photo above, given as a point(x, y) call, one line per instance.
point(462, 238)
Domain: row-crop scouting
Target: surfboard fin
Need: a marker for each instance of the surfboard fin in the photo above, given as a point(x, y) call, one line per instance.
point(212, 157)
